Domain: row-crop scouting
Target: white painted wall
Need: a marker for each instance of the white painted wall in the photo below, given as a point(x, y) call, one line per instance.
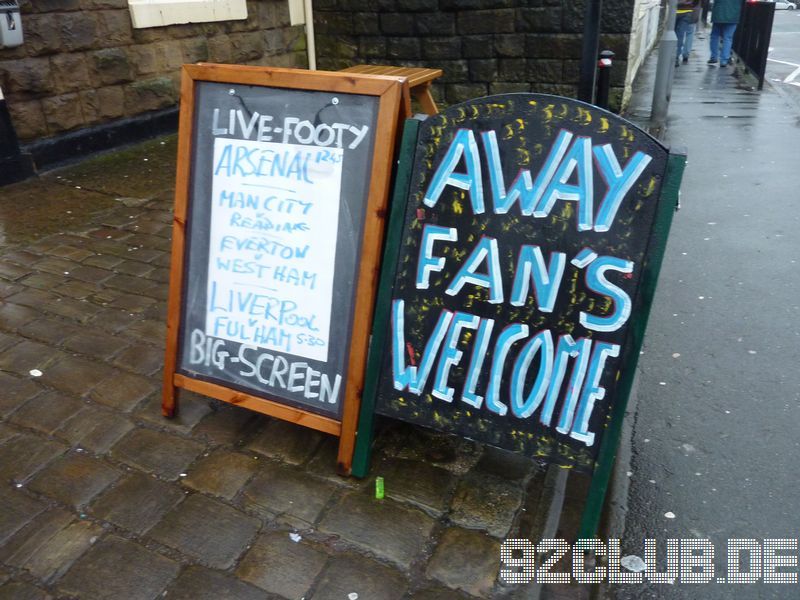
point(157, 13)
point(644, 35)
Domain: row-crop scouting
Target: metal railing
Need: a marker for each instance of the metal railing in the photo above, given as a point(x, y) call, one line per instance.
point(751, 40)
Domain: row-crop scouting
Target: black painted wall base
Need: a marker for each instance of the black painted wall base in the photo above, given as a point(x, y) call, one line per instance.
point(16, 168)
point(55, 151)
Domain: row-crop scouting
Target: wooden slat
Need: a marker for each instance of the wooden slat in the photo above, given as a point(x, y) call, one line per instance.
point(168, 400)
point(321, 81)
point(267, 407)
point(369, 271)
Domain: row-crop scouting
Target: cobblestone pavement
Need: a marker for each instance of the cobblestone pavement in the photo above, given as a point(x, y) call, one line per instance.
point(101, 497)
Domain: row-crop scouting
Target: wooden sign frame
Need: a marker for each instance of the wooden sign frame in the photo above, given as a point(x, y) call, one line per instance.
point(389, 92)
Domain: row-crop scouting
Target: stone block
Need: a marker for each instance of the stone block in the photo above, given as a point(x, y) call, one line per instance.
point(22, 546)
point(74, 479)
point(137, 502)
point(141, 358)
point(101, 4)
point(168, 55)
point(280, 566)
point(477, 46)
point(222, 473)
point(142, 58)
point(397, 24)
point(366, 23)
point(150, 94)
point(417, 5)
point(486, 502)
point(616, 16)
point(28, 119)
point(94, 429)
point(18, 509)
point(46, 6)
point(544, 71)
point(383, 527)
point(194, 49)
point(26, 454)
point(372, 47)
point(337, 46)
point(20, 590)
point(46, 412)
point(403, 48)
point(122, 391)
point(435, 23)
point(78, 31)
point(27, 76)
point(247, 46)
point(505, 87)
point(466, 560)
point(113, 27)
point(501, 20)
point(226, 424)
point(563, 46)
point(436, 48)
point(294, 496)
point(512, 69)
point(475, 4)
point(483, 69)
point(450, 452)
point(460, 92)
point(42, 34)
point(199, 583)
point(418, 483)
point(219, 49)
point(192, 409)
point(207, 530)
point(332, 23)
point(110, 66)
point(505, 464)
point(350, 574)
point(286, 441)
point(154, 452)
point(55, 555)
point(118, 568)
point(70, 72)
point(455, 71)
point(509, 45)
point(16, 391)
point(546, 19)
point(96, 345)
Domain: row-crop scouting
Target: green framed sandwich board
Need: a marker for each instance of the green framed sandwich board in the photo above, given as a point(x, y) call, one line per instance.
point(525, 239)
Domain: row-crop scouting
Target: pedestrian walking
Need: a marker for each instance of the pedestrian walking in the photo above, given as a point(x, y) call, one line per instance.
point(724, 18)
point(686, 16)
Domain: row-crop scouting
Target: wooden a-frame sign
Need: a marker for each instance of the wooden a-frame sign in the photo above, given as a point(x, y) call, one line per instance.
point(282, 186)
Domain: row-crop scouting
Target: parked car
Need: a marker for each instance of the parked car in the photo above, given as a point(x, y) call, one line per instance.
point(784, 5)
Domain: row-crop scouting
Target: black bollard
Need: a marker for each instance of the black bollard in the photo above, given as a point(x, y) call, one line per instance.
point(604, 78)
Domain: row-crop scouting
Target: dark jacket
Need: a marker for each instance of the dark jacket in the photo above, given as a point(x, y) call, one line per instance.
point(726, 11)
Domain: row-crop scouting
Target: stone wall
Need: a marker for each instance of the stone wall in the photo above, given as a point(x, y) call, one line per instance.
point(82, 63)
point(483, 46)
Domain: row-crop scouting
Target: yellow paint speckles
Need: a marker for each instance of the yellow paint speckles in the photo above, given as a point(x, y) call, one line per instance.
point(523, 157)
point(584, 116)
point(650, 188)
point(603, 124)
point(508, 132)
point(457, 207)
point(548, 112)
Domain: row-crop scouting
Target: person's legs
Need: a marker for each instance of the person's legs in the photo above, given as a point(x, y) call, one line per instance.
point(681, 26)
point(714, 44)
point(687, 44)
point(727, 32)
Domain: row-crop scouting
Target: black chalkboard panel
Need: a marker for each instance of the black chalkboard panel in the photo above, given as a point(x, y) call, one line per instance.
point(278, 195)
point(517, 285)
